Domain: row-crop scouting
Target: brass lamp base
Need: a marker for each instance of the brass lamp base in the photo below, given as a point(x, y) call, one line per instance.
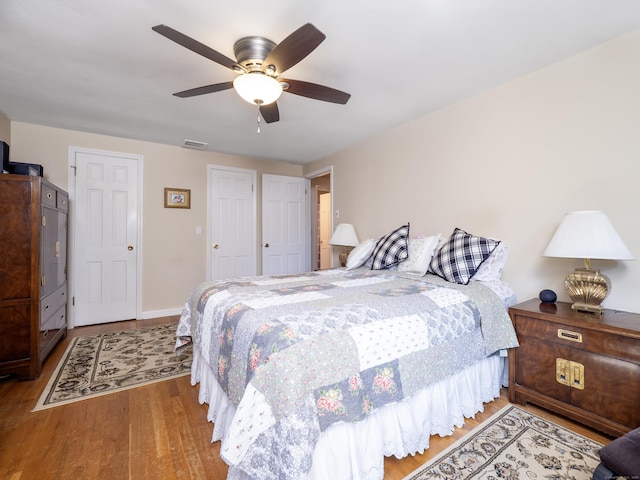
point(587, 288)
point(343, 257)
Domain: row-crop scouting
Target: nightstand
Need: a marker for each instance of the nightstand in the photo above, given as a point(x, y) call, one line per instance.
point(581, 365)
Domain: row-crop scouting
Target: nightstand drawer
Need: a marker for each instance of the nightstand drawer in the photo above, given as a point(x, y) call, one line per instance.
point(586, 338)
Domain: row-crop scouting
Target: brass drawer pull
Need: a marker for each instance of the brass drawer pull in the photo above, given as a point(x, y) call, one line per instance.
point(570, 373)
point(562, 371)
point(577, 375)
point(569, 335)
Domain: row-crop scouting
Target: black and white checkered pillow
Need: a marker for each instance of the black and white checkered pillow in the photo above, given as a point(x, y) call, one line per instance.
point(391, 249)
point(461, 256)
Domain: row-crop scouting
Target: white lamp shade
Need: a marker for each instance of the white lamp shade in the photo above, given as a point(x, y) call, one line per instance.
point(587, 234)
point(257, 88)
point(344, 235)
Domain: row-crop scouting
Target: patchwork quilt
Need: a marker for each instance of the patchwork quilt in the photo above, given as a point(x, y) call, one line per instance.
point(296, 354)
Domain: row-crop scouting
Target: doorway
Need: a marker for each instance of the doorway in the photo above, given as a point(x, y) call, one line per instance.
point(324, 229)
point(321, 218)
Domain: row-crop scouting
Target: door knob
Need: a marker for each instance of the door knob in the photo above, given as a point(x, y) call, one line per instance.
point(265, 245)
point(130, 247)
point(215, 245)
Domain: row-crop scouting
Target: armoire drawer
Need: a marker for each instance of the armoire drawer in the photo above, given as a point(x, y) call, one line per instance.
point(50, 304)
point(16, 317)
point(62, 201)
point(49, 330)
point(49, 197)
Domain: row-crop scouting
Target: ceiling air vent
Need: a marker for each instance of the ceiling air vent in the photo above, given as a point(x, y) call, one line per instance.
point(194, 144)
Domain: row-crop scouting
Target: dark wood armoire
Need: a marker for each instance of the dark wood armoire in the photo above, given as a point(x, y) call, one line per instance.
point(33, 272)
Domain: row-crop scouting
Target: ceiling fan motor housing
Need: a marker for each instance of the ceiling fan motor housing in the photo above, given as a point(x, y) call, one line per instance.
point(250, 52)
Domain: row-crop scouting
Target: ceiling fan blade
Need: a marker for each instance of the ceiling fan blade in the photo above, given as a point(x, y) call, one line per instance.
point(294, 48)
point(216, 87)
point(317, 92)
point(270, 112)
point(197, 47)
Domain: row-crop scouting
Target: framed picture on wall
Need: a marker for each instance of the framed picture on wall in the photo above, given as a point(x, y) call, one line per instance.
point(177, 198)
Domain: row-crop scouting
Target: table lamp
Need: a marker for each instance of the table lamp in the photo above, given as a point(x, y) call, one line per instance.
point(589, 235)
point(344, 235)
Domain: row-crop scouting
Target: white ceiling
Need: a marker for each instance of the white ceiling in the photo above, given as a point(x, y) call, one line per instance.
point(97, 66)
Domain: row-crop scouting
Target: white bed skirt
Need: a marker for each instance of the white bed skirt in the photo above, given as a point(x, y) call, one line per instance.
point(356, 451)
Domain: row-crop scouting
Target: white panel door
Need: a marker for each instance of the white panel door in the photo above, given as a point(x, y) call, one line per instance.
point(232, 219)
point(284, 225)
point(105, 238)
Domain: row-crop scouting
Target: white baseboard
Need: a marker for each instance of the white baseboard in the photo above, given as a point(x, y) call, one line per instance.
point(160, 313)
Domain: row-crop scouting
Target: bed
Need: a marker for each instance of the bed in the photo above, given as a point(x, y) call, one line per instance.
point(320, 375)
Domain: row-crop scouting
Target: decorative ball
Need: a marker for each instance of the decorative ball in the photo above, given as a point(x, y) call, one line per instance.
point(548, 296)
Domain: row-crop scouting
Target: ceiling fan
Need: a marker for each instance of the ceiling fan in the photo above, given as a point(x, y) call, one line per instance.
point(259, 64)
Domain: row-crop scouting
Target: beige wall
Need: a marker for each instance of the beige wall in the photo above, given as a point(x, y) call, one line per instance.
point(174, 257)
point(509, 163)
point(5, 128)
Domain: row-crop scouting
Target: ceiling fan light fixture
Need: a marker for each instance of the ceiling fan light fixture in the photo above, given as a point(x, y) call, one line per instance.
point(257, 88)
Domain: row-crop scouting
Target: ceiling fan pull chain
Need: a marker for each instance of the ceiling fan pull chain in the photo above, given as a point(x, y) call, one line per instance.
point(258, 103)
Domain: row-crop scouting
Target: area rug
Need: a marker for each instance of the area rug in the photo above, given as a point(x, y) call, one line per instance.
point(514, 444)
point(114, 361)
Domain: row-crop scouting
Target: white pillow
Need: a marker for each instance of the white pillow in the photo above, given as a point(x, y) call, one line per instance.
point(420, 253)
point(491, 269)
point(359, 255)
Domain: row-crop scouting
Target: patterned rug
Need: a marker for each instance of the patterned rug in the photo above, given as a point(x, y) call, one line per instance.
point(514, 444)
point(114, 361)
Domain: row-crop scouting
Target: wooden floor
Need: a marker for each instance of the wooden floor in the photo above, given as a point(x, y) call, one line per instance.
point(157, 431)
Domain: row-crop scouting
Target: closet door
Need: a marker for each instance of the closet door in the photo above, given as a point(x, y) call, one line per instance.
point(285, 225)
point(232, 220)
point(106, 232)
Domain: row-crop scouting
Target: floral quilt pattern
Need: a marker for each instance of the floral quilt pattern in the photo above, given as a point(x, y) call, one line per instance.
point(298, 353)
point(356, 397)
